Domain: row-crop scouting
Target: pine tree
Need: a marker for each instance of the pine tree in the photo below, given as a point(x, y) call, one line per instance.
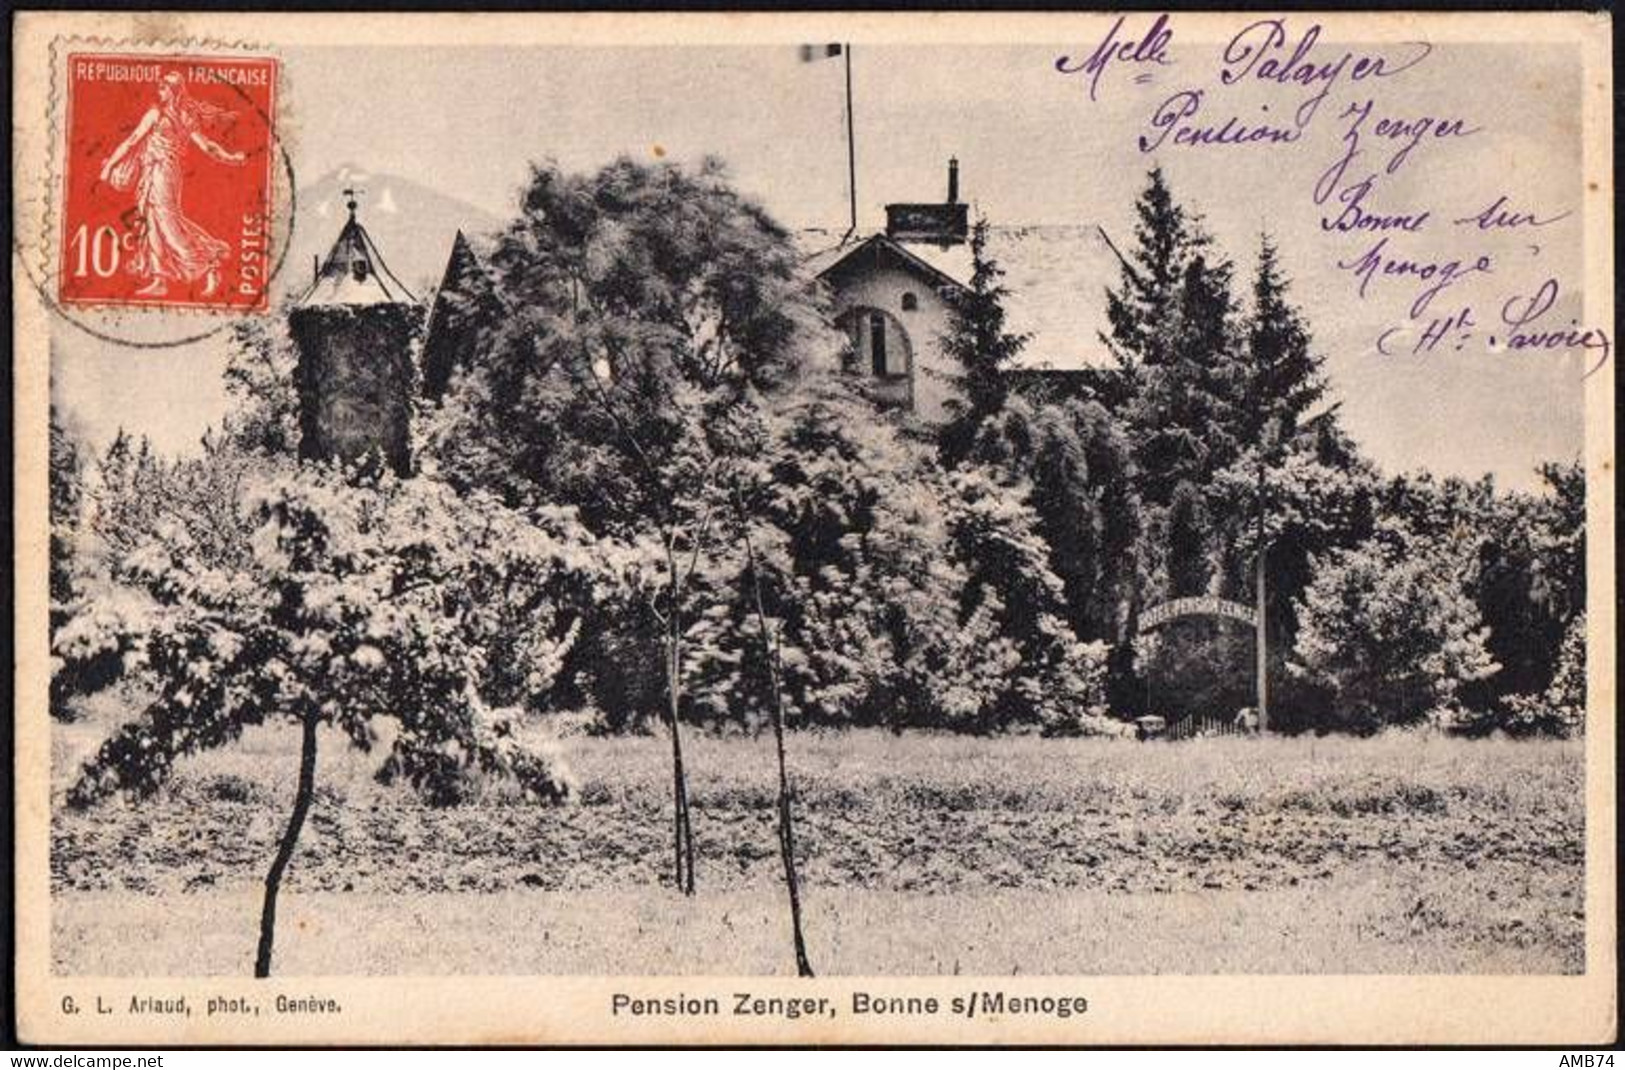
point(1186, 414)
point(1174, 336)
point(1139, 309)
point(650, 308)
point(1279, 383)
point(337, 617)
point(981, 349)
point(1285, 380)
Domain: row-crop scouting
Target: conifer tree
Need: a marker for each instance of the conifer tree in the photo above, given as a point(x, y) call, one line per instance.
point(1174, 336)
point(647, 306)
point(1139, 308)
point(1280, 384)
point(336, 616)
point(259, 376)
point(1285, 380)
point(981, 348)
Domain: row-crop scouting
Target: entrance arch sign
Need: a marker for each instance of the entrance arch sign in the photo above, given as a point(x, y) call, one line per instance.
point(1204, 606)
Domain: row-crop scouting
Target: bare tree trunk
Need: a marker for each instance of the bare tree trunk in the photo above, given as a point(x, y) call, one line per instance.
point(683, 828)
point(683, 838)
point(787, 843)
point(290, 838)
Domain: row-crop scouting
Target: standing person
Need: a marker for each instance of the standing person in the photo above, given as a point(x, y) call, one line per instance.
point(171, 245)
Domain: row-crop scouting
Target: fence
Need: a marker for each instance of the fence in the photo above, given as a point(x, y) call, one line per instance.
point(1197, 725)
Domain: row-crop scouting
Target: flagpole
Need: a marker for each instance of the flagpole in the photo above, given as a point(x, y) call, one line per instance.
point(851, 148)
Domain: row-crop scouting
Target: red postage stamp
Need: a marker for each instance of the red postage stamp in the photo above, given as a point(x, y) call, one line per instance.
point(167, 181)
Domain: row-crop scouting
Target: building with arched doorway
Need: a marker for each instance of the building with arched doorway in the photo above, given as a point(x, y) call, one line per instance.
point(890, 304)
point(889, 291)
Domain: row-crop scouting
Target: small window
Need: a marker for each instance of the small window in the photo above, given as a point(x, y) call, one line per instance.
point(877, 343)
point(359, 270)
point(910, 302)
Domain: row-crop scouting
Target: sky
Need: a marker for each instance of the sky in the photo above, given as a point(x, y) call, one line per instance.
point(1034, 148)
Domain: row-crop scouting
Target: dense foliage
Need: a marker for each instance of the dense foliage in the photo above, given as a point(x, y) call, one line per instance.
point(1389, 629)
point(682, 359)
point(387, 610)
point(980, 348)
point(1386, 601)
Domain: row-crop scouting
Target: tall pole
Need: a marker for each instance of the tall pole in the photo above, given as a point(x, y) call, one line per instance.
point(1261, 645)
point(851, 147)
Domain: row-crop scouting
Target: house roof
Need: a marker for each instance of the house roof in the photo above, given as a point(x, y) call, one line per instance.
point(1057, 277)
point(853, 253)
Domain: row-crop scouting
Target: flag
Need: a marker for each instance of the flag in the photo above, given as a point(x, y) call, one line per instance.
point(812, 52)
point(809, 53)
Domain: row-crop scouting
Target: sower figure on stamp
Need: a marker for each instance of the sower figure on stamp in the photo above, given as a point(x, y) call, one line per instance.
point(171, 245)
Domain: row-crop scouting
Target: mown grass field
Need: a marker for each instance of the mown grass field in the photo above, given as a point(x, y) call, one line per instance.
point(920, 854)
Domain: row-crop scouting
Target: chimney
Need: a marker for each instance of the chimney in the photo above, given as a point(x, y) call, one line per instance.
point(942, 224)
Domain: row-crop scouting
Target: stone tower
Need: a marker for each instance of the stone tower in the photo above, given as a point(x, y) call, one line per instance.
point(354, 330)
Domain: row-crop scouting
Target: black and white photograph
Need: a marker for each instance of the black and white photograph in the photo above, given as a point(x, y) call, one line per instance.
point(814, 529)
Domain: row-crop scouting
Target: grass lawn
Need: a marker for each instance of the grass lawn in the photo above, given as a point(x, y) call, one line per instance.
point(1355, 923)
point(920, 854)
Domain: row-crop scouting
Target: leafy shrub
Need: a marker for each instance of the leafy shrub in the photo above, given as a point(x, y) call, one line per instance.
point(1057, 682)
point(1560, 710)
point(1390, 630)
point(901, 595)
point(354, 605)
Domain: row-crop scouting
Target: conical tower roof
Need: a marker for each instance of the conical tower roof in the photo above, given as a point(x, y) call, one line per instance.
point(354, 272)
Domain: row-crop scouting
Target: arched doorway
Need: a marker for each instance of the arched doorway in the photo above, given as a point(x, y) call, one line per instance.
point(881, 350)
